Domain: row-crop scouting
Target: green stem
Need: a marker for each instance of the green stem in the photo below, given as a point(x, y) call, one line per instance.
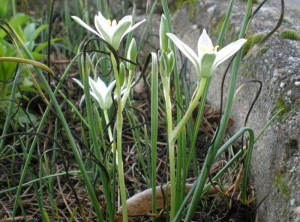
point(126, 94)
point(154, 128)
point(119, 125)
point(111, 138)
point(174, 134)
point(166, 84)
point(107, 122)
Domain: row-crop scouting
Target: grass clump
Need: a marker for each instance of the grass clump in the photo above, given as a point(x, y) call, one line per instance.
point(219, 26)
point(252, 40)
point(290, 34)
point(281, 185)
point(254, 1)
point(284, 104)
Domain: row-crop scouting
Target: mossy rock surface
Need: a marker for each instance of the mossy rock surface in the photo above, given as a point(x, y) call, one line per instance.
point(275, 167)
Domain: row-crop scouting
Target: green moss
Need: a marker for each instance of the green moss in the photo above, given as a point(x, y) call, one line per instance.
point(263, 49)
point(252, 40)
point(282, 103)
point(281, 185)
point(191, 3)
point(254, 1)
point(290, 34)
point(218, 27)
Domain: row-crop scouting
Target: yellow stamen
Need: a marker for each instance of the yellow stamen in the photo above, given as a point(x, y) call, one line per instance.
point(111, 23)
point(208, 49)
point(215, 48)
point(114, 23)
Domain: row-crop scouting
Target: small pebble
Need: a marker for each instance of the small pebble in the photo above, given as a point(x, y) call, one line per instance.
point(292, 202)
point(297, 83)
point(297, 210)
point(212, 8)
point(282, 84)
point(195, 27)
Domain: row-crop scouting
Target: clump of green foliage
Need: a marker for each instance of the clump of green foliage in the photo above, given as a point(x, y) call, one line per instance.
point(219, 26)
point(252, 40)
point(285, 104)
point(290, 34)
point(179, 3)
point(281, 185)
point(28, 33)
point(254, 1)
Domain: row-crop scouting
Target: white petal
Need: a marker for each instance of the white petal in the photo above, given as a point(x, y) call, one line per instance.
point(126, 18)
point(78, 82)
point(82, 23)
point(102, 27)
point(81, 85)
point(119, 32)
point(102, 20)
point(204, 42)
point(189, 53)
point(228, 51)
point(101, 86)
point(111, 86)
point(98, 92)
point(133, 27)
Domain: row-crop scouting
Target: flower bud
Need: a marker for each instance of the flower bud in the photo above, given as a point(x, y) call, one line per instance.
point(167, 62)
point(131, 54)
point(163, 61)
point(163, 34)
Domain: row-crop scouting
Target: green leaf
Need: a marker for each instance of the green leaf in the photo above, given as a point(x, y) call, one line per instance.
point(28, 89)
point(42, 46)
point(3, 8)
point(29, 45)
point(23, 118)
point(17, 22)
point(38, 31)
point(37, 55)
point(28, 31)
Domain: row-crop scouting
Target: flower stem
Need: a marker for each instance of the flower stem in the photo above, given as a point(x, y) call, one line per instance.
point(172, 139)
point(107, 122)
point(166, 84)
point(176, 132)
point(126, 94)
point(119, 125)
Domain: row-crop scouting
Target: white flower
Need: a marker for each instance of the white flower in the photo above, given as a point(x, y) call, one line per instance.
point(110, 31)
point(100, 91)
point(208, 58)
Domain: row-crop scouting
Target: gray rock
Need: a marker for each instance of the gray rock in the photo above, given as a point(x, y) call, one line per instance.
point(275, 166)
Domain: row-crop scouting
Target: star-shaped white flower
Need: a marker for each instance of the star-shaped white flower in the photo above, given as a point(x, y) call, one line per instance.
point(208, 57)
point(100, 91)
point(110, 31)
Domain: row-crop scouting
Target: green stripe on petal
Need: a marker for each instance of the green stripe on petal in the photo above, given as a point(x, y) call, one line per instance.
point(207, 65)
point(103, 29)
point(120, 31)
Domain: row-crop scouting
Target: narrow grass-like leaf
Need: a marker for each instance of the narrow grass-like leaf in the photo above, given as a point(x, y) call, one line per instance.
point(154, 125)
